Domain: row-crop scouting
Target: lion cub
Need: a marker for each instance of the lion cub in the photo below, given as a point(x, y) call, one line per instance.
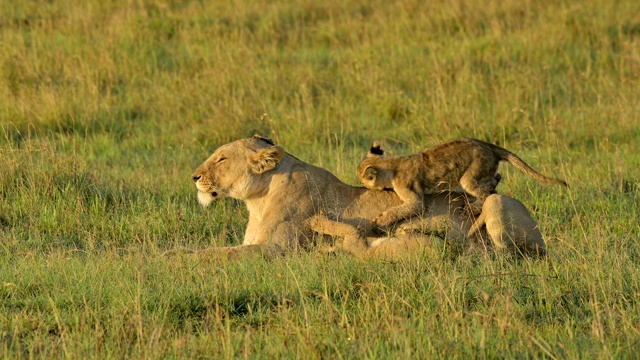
point(469, 163)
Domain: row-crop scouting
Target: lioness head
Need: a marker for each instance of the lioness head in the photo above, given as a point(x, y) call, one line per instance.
point(236, 169)
point(368, 171)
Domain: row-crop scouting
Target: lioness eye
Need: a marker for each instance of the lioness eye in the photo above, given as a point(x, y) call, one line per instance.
point(221, 159)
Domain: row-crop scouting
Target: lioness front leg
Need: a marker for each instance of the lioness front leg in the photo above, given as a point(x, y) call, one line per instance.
point(412, 205)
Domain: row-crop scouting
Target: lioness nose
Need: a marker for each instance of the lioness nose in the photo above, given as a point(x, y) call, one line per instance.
point(196, 177)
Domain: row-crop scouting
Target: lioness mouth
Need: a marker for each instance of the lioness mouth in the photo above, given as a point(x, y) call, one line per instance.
point(214, 194)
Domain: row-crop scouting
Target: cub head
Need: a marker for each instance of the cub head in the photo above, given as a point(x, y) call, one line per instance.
point(368, 170)
point(237, 169)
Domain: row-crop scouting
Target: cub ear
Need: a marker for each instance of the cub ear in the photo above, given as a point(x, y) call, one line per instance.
point(266, 159)
point(375, 149)
point(370, 173)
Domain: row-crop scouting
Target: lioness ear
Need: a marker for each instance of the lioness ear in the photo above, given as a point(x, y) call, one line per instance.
point(267, 159)
point(375, 149)
point(267, 140)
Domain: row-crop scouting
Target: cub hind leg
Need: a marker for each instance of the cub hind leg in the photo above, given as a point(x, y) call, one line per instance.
point(480, 181)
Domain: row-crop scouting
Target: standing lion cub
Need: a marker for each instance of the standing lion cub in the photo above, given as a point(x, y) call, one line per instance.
point(469, 163)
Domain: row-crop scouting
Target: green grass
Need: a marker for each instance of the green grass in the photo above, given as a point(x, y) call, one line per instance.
point(107, 107)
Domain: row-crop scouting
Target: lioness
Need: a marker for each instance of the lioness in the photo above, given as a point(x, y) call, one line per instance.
point(289, 201)
point(469, 163)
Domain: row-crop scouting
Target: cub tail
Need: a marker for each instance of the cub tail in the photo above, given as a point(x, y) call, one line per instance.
point(512, 158)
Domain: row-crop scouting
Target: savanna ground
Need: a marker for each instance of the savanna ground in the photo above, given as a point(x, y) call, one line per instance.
point(107, 106)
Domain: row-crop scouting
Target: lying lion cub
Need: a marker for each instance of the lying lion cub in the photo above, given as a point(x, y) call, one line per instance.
point(469, 163)
point(509, 226)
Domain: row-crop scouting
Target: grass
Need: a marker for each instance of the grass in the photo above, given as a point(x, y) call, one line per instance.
point(107, 107)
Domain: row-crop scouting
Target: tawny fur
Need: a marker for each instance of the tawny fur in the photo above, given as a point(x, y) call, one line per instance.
point(291, 202)
point(469, 163)
point(509, 226)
